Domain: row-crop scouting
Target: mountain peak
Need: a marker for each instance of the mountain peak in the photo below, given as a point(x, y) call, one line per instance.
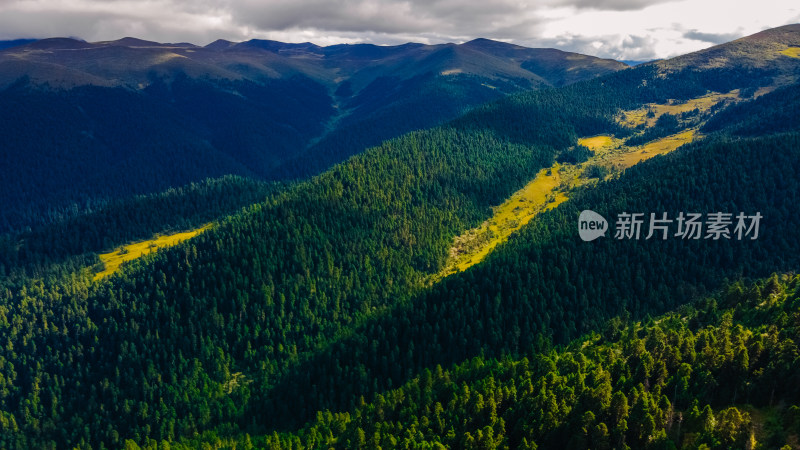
point(220, 44)
point(58, 43)
point(483, 43)
point(132, 42)
point(136, 42)
point(278, 47)
point(772, 34)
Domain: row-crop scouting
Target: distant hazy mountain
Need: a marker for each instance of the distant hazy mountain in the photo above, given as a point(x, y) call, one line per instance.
point(96, 120)
point(135, 63)
point(15, 43)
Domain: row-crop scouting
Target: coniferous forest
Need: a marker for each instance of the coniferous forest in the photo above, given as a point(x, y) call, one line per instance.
point(312, 311)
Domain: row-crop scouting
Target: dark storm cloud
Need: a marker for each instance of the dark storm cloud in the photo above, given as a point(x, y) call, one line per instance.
point(154, 19)
point(537, 23)
point(615, 5)
point(712, 38)
point(627, 47)
point(445, 18)
point(508, 19)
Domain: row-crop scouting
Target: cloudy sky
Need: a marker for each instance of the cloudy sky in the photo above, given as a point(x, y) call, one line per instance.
point(621, 29)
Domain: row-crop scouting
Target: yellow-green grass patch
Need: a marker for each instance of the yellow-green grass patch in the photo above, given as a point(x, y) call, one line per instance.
point(595, 143)
point(637, 117)
point(112, 260)
point(547, 190)
point(792, 52)
point(474, 245)
point(662, 146)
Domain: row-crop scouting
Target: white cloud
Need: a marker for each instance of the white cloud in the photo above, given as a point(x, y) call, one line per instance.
point(622, 29)
point(665, 29)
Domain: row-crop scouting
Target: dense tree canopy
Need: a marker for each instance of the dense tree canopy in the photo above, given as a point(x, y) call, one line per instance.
point(312, 297)
point(705, 375)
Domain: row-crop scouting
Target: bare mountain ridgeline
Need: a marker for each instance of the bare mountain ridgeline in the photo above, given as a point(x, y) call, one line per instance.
point(134, 117)
point(766, 50)
point(347, 68)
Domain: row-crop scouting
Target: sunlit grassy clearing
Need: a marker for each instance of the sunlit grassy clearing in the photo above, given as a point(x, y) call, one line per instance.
point(595, 143)
point(763, 90)
point(611, 153)
point(474, 245)
point(549, 189)
point(112, 260)
point(635, 155)
point(552, 186)
point(636, 117)
point(792, 52)
point(601, 143)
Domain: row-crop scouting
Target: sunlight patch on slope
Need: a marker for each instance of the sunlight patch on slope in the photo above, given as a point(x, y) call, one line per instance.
point(635, 155)
point(452, 72)
point(164, 57)
point(548, 189)
point(611, 154)
point(474, 245)
point(596, 143)
point(792, 52)
point(553, 186)
point(112, 260)
point(637, 117)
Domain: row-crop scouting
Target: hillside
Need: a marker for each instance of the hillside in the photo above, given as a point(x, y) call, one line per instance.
point(129, 117)
point(74, 244)
point(703, 375)
point(769, 49)
point(318, 296)
point(547, 281)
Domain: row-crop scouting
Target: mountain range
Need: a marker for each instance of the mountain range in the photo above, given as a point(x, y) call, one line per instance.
point(430, 291)
point(135, 63)
point(125, 116)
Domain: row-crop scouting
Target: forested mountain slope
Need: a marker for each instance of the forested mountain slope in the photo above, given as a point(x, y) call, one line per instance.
point(312, 298)
point(263, 287)
point(771, 113)
point(718, 373)
point(87, 122)
point(72, 244)
point(546, 281)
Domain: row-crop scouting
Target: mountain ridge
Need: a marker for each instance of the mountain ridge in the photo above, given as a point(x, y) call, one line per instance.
point(344, 58)
point(760, 50)
point(261, 106)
